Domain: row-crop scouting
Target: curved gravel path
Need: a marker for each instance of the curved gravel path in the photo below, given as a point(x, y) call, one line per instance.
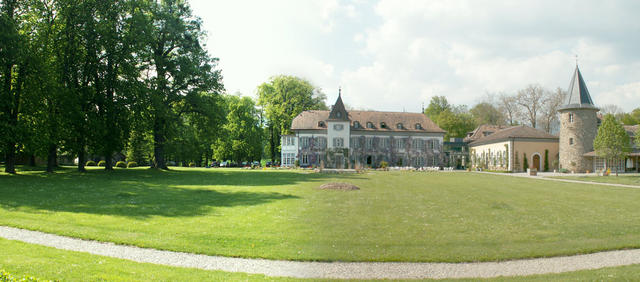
point(340, 270)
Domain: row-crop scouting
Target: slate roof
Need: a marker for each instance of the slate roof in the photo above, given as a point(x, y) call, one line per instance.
point(338, 112)
point(310, 120)
point(578, 94)
point(481, 131)
point(519, 131)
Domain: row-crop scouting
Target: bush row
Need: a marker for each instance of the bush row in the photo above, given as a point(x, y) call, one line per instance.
point(120, 164)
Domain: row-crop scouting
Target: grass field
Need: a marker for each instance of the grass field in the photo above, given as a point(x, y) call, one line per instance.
point(21, 259)
point(633, 179)
point(396, 216)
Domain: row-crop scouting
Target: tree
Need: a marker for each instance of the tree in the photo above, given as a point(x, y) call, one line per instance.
point(525, 163)
point(546, 160)
point(531, 99)
point(508, 105)
point(283, 98)
point(437, 105)
point(486, 113)
point(242, 137)
point(612, 141)
point(628, 119)
point(457, 123)
point(637, 137)
point(549, 110)
point(176, 67)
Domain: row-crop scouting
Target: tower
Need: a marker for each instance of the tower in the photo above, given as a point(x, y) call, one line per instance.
point(338, 135)
point(578, 126)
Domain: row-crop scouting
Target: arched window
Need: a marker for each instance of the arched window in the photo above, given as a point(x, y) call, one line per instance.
point(399, 126)
point(356, 124)
point(383, 125)
point(369, 124)
point(321, 124)
point(418, 126)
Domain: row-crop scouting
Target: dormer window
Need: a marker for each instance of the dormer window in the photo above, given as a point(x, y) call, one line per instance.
point(339, 114)
point(321, 124)
point(418, 126)
point(383, 125)
point(399, 126)
point(369, 124)
point(356, 124)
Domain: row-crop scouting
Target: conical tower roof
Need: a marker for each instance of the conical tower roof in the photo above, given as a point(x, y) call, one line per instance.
point(338, 112)
point(578, 94)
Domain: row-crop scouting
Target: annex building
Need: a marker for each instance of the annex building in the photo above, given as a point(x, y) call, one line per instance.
point(358, 139)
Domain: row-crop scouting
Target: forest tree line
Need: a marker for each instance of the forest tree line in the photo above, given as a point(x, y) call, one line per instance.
point(93, 79)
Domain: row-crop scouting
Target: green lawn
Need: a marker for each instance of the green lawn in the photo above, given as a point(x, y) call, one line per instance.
point(620, 179)
point(21, 259)
point(396, 216)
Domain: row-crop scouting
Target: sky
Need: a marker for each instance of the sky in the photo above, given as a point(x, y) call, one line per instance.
point(394, 55)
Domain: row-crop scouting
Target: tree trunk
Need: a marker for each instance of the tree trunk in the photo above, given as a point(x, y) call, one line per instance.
point(32, 160)
point(108, 159)
point(51, 157)
point(82, 159)
point(158, 150)
point(10, 156)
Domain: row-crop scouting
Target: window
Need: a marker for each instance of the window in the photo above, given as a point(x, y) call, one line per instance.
point(570, 117)
point(354, 142)
point(339, 114)
point(321, 124)
point(418, 126)
point(305, 159)
point(384, 143)
point(288, 159)
point(570, 141)
point(338, 142)
point(399, 126)
point(304, 142)
point(321, 142)
point(383, 125)
point(417, 144)
point(369, 142)
point(338, 127)
point(430, 144)
point(399, 143)
point(289, 141)
point(369, 124)
point(356, 124)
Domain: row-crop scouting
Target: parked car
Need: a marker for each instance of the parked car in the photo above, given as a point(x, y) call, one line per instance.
point(215, 164)
point(269, 164)
point(224, 164)
point(255, 163)
point(245, 164)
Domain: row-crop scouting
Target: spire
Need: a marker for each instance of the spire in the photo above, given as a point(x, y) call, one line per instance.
point(578, 94)
point(338, 112)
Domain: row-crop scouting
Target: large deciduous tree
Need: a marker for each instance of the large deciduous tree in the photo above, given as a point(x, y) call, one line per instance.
point(531, 99)
point(242, 135)
point(177, 66)
point(486, 113)
point(612, 141)
point(283, 98)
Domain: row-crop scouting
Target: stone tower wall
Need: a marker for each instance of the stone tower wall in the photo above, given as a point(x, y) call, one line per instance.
point(583, 130)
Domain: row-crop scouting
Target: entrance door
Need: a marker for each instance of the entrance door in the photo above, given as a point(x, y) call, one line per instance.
point(536, 162)
point(339, 161)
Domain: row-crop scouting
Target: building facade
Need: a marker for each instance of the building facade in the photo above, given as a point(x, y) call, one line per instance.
point(359, 139)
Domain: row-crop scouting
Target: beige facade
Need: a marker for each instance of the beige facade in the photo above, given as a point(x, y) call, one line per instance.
point(509, 155)
point(578, 129)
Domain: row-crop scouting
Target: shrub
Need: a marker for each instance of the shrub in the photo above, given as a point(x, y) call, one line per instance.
point(102, 163)
point(121, 164)
point(384, 164)
point(192, 164)
point(525, 163)
point(132, 164)
point(6, 276)
point(90, 163)
point(297, 163)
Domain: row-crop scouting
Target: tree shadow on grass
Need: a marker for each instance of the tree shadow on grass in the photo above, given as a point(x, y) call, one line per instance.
point(142, 193)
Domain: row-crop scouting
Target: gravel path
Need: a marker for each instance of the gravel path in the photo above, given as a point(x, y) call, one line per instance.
point(340, 270)
point(547, 175)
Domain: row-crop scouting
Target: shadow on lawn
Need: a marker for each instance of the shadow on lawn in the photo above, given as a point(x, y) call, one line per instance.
point(143, 193)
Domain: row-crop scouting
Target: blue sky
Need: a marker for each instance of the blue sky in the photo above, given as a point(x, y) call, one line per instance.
point(395, 55)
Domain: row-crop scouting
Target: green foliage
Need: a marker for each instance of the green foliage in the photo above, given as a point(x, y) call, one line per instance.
point(384, 164)
point(90, 163)
point(7, 277)
point(241, 137)
point(546, 160)
point(121, 164)
point(140, 146)
point(282, 98)
point(517, 162)
point(132, 164)
point(456, 120)
point(612, 141)
point(437, 105)
point(102, 163)
point(485, 113)
point(296, 163)
point(192, 164)
point(525, 162)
